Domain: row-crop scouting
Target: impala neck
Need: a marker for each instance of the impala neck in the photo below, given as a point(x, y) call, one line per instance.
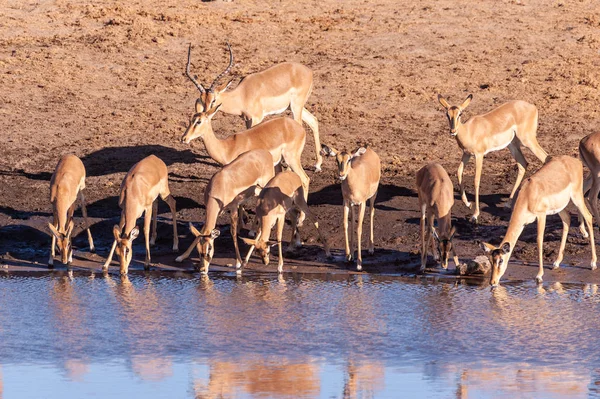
point(61, 210)
point(515, 228)
point(231, 102)
point(444, 225)
point(218, 149)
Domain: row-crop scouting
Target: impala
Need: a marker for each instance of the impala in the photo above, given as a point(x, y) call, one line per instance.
point(510, 125)
point(546, 192)
point(228, 189)
point(140, 189)
point(283, 194)
point(270, 92)
point(68, 181)
point(436, 198)
point(359, 173)
point(589, 151)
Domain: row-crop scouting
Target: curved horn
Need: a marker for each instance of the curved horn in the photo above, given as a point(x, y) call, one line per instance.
point(226, 71)
point(187, 72)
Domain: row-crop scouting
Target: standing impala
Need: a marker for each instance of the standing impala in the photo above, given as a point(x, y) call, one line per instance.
point(229, 188)
point(67, 182)
point(140, 189)
point(510, 125)
point(283, 194)
point(436, 198)
point(359, 172)
point(546, 192)
point(283, 137)
point(270, 92)
point(589, 152)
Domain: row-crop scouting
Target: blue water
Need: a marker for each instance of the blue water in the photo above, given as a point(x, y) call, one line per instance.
point(180, 336)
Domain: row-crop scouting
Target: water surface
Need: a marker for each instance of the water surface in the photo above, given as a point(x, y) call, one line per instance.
point(295, 336)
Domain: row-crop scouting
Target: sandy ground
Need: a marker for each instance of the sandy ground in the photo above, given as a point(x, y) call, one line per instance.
point(105, 81)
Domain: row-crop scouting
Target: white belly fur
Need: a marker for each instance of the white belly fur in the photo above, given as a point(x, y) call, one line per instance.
point(277, 112)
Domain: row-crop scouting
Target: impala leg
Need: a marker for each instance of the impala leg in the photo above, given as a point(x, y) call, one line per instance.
point(593, 198)
point(352, 229)
point(87, 223)
point(579, 202)
point(361, 217)
point(312, 122)
point(295, 240)
point(423, 241)
point(280, 225)
point(541, 227)
point(296, 166)
point(147, 220)
point(515, 150)
point(455, 258)
point(566, 221)
point(430, 239)
point(53, 244)
point(154, 222)
point(234, 234)
point(172, 206)
point(587, 183)
point(478, 167)
point(535, 147)
point(188, 251)
point(345, 221)
point(461, 167)
point(69, 219)
point(372, 215)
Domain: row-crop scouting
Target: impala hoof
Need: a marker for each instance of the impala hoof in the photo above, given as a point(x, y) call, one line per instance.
point(371, 251)
point(594, 266)
point(348, 258)
point(92, 249)
point(539, 280)
point(175, 248)
point(555, 265)
point(474, 219)
point(179, 259)
point(358, 267)
point(317, 168)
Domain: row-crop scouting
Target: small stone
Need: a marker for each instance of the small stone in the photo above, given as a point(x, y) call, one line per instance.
point(480, 265)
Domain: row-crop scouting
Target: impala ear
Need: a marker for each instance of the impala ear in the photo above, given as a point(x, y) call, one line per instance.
point(249, 241)
point(443, 101)
point(199, 105)
point(117, 232)
point(194, 230)
point(134, 233)
point(506, 247)
point(328, 151)
point(435, 234)
point(225, 86)
point(211, 112)
point(487, 248)
point(70, 228)
point(53, 230)
point(465, 103)
point(359, 152)
point(452, 232)
point(215, 233)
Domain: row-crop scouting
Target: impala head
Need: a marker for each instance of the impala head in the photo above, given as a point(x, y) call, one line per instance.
point(342, 158)
point(444, 246)
point(498, 257)
point(262, 247)
point(199, 123)
point(211, 96)
point(453, 112)
point(123, 248)
point(63, 241)
point(205, 244)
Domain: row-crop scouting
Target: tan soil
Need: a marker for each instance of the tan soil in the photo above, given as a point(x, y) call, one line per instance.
point(105, 81)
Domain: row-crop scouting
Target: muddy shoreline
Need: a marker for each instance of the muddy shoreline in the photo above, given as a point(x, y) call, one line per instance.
point(106, 82)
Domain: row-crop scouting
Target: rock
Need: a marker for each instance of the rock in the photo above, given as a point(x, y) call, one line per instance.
point(480, 265)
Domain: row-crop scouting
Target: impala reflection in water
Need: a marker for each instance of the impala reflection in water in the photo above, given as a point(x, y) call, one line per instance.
point(294, 336)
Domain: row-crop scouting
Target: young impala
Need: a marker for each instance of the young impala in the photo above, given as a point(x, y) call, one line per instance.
point(229, 188)
point(436, 198)
point(546, 192)
point(589, 152)
point(270, 92)
point(67, 182)
point(283, 194)
point(140, 189)
point(359, 172)
point(510, 125)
